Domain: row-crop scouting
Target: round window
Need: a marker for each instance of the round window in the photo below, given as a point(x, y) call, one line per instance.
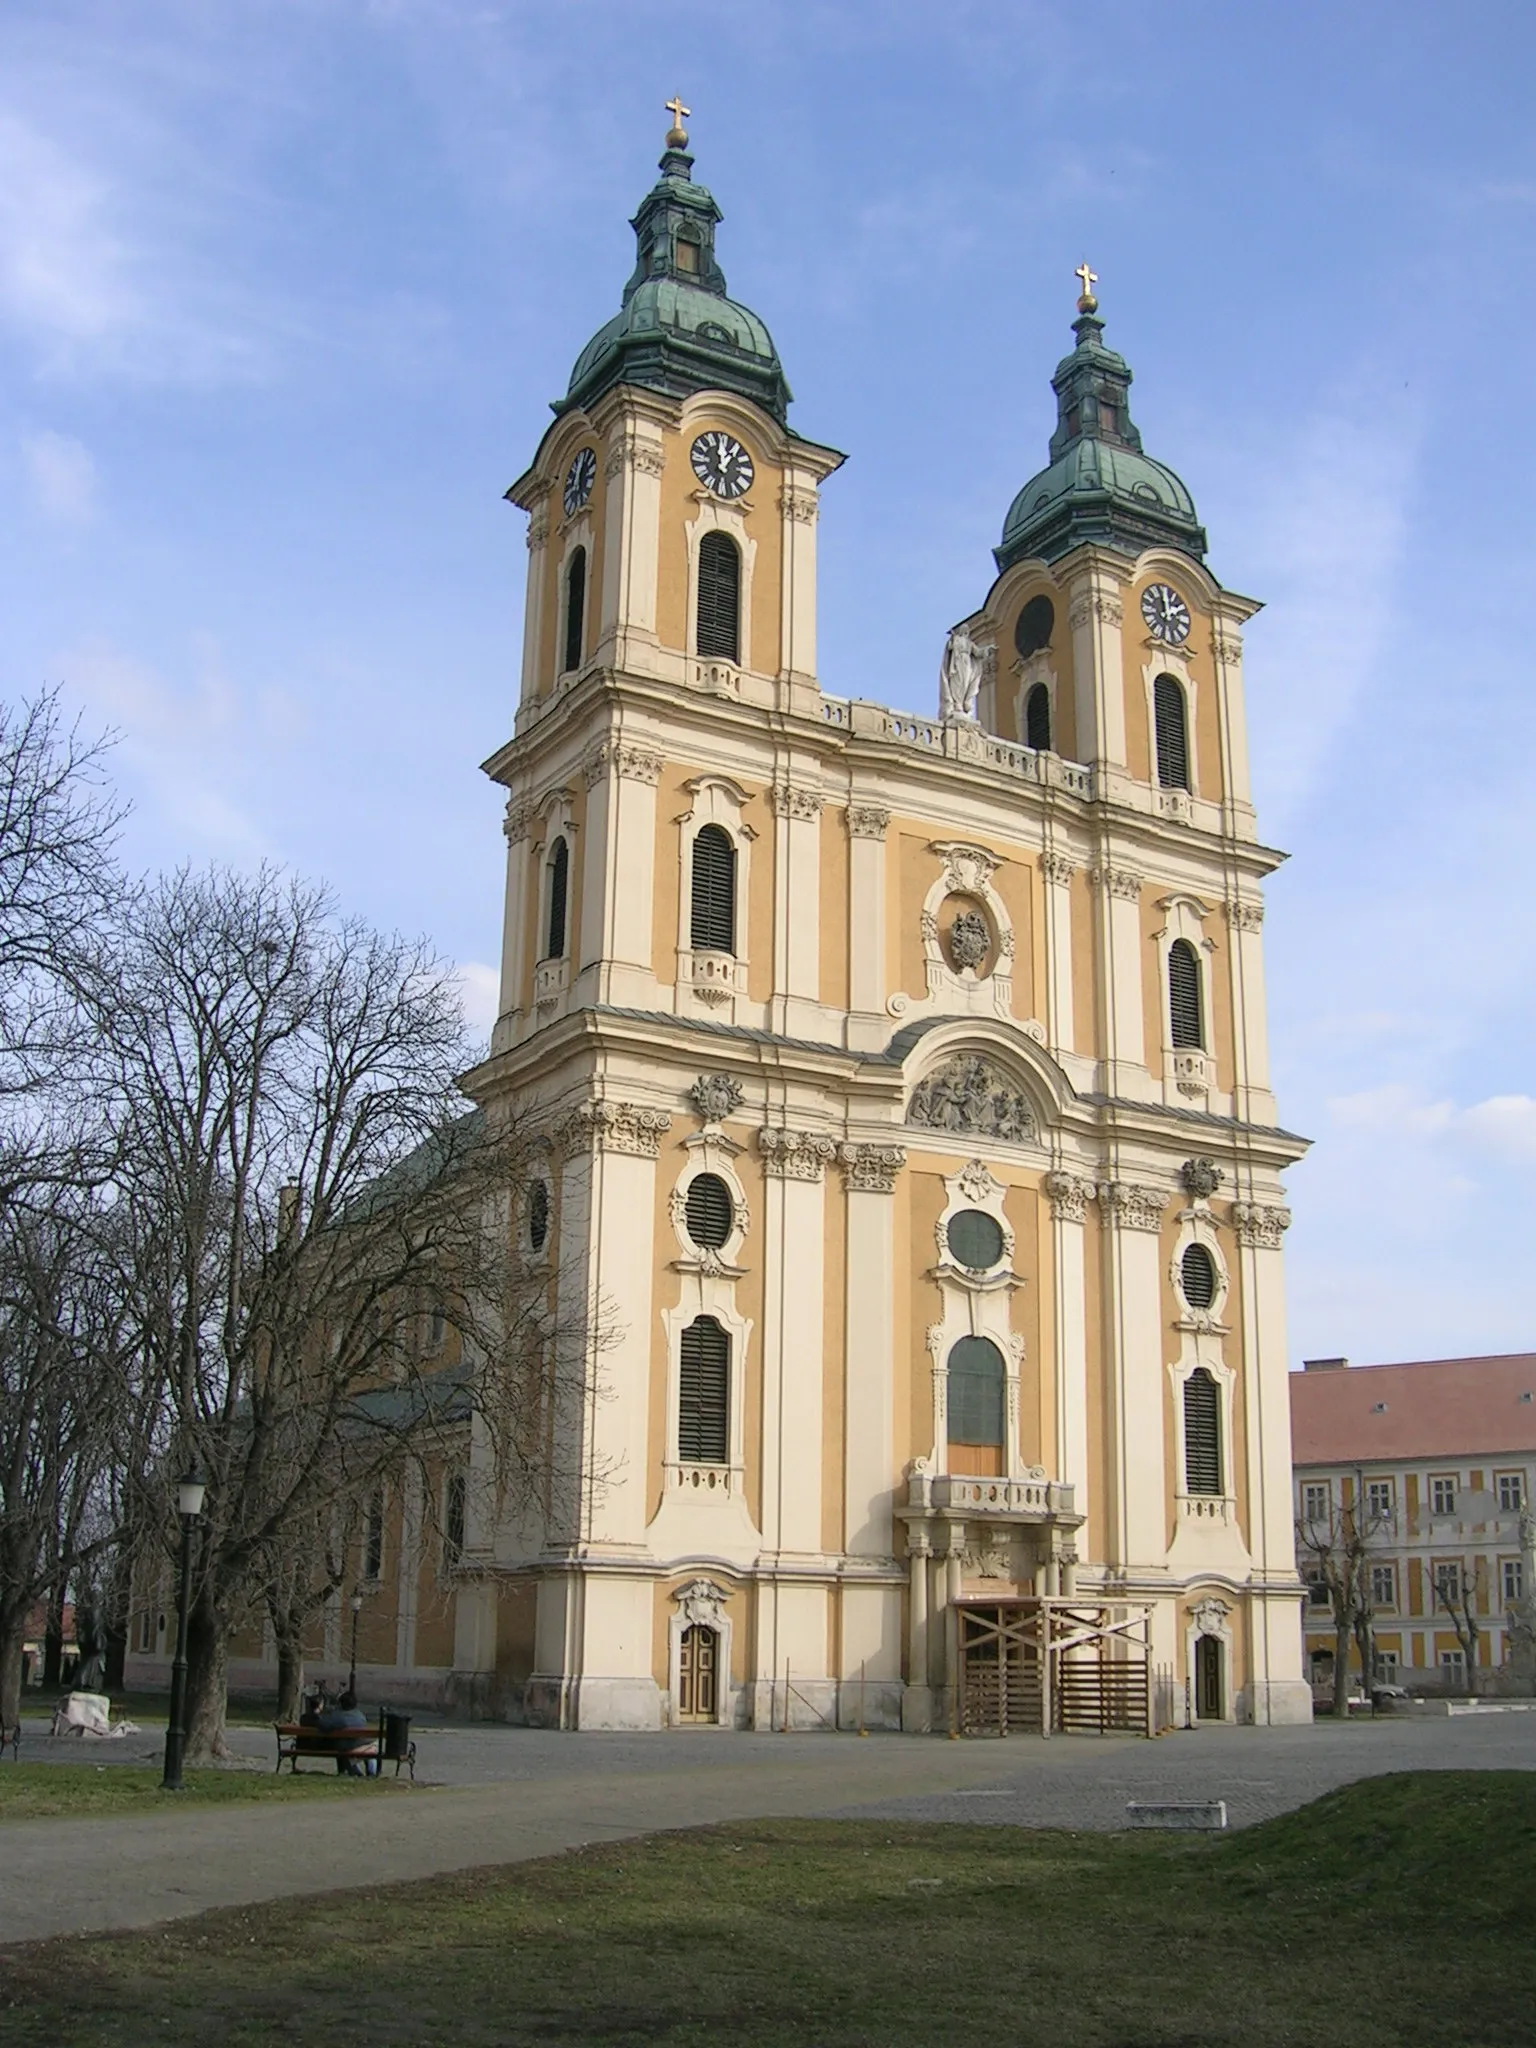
point(709, 1212)
point(1034, 626)
point(538, 1214)
point(975, 1239)
point(1197, 1269)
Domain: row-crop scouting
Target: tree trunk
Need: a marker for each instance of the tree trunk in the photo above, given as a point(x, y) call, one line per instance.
point(207, 1684)
point(290, 1675)
point(53, 1645)
point(1341, 1634)
point(11, 1641)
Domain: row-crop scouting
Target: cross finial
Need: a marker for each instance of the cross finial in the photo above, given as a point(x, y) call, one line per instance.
point(677, 134)
point(1090, 278)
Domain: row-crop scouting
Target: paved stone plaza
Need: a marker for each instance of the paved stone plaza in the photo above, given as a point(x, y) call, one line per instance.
point(500, 1795)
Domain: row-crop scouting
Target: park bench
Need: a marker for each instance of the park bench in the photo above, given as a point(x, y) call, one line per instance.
point(297, 1739)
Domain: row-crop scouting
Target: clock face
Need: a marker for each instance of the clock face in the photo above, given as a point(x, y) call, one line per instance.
point(579, 479)
point(1166, 613)
point(721, 464)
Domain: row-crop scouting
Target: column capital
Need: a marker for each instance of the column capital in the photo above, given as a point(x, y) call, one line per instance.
point(1133, 1207)
point(613, 1127)
point(1068, 1194)
point(795, 1155)
point(871, 1169)
point(867, 821)
point(1260, 1225)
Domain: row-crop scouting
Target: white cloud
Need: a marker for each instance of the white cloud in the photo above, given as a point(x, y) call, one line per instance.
point(480, 987)
point(1502, 1125)
point(62, 476)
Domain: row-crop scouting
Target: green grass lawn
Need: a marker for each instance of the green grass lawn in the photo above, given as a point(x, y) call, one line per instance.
point(51, 1791)
point(1398, 1909)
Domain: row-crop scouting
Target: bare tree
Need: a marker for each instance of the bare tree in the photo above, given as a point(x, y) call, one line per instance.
point(1337, 1549)
point(1455, 1590)
point(299, 1176)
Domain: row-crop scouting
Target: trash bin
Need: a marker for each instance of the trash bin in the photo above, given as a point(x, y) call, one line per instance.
point(396, 1747)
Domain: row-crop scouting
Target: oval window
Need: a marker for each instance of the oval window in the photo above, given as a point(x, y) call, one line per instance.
point(709, 1212)
point(1034, 626)
point(975, 1239)
point(1198, 1272)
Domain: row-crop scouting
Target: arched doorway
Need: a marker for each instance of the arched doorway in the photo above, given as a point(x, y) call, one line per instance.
point(1210, 1689)
point(698, 1669)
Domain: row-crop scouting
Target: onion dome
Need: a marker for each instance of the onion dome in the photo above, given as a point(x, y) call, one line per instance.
point(1100, 487)
point(677, 331)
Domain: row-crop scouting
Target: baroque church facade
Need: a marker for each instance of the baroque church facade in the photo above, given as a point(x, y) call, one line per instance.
point(904, 1081)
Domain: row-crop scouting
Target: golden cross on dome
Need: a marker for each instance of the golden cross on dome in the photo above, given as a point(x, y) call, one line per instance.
point(679, 113)
point(1089, 277)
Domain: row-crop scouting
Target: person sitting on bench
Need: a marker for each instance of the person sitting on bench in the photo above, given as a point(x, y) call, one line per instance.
point(348, 1714)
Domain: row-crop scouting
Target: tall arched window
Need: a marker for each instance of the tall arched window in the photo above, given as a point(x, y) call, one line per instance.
point(704, 1394)
point(559, 883)
point(1202, 1433)
point(1037, 719)
point(719, 613)
point(575, 607)
point(1184, 1005)
point(1172, 733)
point(976, 1382)
point(714, 890)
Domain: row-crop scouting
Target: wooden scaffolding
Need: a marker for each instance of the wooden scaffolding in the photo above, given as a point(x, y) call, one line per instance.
point(1032, 1665)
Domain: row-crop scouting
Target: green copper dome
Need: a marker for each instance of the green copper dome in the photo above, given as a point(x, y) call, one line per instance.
point(1100, 487)
point(677, 332)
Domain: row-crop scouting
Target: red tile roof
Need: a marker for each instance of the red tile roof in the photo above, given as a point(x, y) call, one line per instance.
point(1437, 1408)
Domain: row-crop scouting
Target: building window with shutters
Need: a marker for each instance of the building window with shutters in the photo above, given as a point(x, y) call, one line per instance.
point(713, 911)
point(1199, 1280)
point(1037, 719)
point(575, 608)
point(717, 619)
point(704, 1394)
point(1186, 1019)
point(1202, 1434)
point(1171, 717)
point(558, 889)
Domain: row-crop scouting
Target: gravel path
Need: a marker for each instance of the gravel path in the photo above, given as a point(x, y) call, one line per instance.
point(506, 1794)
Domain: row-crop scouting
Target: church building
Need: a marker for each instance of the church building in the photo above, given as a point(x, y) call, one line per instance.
point(911, 1156)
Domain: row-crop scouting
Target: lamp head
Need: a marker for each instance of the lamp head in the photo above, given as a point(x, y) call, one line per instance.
point(190, 1489)
point(357, 1603)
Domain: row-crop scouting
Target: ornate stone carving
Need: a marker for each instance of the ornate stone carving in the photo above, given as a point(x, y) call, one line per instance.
point(516, 820)
point(701, 1603)
point(867, 821)
point(1108, 610)
point(965, 667)
point(789, 802)
point(630, 762)
point(1210, 1614)
point(537, 534)
point(799, 505)
point(1068, 1194)
point(1121, 882)
point(1133, 1207)
point(716, 1096)
point(1057, 868)
point(794, 1155)
point(650, 461)
point(1245, 917)
point(871, 1169)
point(1201, 1178)
point(968, 1094)
point(1227, 647)
point(614, 1127)
point(967, 869)
point(989, 1562)
point(1260, 1225)
point(969, 940)
point(977, 1183)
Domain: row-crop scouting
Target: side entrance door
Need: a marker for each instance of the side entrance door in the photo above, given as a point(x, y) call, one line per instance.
point(1209, 1704)
point(697, 1674)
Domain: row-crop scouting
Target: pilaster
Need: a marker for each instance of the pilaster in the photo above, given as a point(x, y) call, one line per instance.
point(1136, 1524)
point(1056, 871)
point(796, 907)
point(617, 925)
point(868, 1024)
point(869, 1177)
point(1069, 1195)
point(633, 469)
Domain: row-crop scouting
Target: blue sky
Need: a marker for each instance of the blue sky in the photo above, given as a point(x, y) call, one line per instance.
point(285, 289)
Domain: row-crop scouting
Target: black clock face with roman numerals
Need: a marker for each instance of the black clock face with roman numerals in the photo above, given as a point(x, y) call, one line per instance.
point(721, 464)
point(579, 479)
point(1166, 613)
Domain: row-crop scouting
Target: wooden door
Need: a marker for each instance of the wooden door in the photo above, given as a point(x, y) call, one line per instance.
point(697, 1674)
point(1209, 1704)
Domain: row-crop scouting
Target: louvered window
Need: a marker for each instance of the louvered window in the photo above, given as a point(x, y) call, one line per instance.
point(719, 620)
point(976, 1380)
point(1197, 1269)
point(1172, 735)
point(709, 1212)
point(559, 879)
point(714, 890)
point(1184, 1007)
point(1202, 1433)
point(575, 607)
point(538, 1215)
point(1037, 719)
point(704, 1394)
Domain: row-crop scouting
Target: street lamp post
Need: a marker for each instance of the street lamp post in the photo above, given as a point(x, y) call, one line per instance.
point(189, 1502)
point(357, 1608)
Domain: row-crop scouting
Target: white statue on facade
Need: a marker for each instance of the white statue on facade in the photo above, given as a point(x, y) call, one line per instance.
point(962, 672)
